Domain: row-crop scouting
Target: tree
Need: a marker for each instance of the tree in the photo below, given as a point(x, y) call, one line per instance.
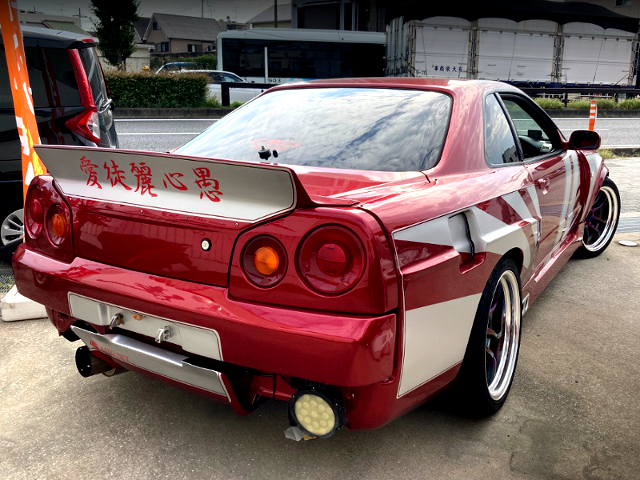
point(114, 29)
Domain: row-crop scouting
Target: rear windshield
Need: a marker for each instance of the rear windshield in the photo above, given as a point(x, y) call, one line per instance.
point(51, 77)
point(351, 128)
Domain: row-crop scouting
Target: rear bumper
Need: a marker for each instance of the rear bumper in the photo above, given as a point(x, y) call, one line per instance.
point(339, 350)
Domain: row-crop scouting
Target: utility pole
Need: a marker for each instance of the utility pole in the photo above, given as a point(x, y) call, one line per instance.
point(275, 13)
point(202, 12)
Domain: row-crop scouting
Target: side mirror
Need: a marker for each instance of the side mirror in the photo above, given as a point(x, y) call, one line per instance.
point(584, 140)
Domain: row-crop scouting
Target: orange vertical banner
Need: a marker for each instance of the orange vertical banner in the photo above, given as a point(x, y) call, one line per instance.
point(32, 166)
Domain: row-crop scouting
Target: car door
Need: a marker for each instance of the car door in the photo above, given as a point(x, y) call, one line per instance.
point(554, 172)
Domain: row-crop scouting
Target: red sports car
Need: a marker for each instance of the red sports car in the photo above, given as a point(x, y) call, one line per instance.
point(351, 247)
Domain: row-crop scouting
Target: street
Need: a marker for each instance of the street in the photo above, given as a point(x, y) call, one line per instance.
point(162, 135)
point(573, 411)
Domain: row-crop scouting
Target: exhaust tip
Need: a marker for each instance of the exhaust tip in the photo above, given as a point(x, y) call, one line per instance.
point(88, 364)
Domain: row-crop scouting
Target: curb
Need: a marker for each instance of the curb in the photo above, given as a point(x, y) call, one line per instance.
point(624, 152)
point(16, 307)
point(170, 112)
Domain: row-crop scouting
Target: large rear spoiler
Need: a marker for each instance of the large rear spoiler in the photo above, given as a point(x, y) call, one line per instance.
point(223, 189)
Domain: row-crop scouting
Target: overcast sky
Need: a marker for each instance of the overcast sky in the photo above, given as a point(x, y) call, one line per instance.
point(240, 10)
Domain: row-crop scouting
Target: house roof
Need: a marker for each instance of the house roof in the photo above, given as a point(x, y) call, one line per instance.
point(141, 26)
point(186, 28)
point(284, 15)
point(65, 26)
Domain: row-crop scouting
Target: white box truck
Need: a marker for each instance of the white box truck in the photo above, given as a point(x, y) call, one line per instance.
point(526, 53)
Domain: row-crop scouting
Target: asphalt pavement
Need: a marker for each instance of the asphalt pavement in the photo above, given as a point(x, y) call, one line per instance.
point(573, 411)
point(159, 135)
point(162, 135)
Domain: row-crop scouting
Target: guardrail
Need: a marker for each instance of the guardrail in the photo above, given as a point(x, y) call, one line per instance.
point(593, 91)
point(225, 86)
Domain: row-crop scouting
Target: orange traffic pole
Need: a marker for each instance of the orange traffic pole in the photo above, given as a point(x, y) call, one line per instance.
point(32, 166)
point(593, 113)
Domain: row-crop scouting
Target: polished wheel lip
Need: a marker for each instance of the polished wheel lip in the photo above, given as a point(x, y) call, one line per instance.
point(12, 227)
point(595, 220)
point(501, 345)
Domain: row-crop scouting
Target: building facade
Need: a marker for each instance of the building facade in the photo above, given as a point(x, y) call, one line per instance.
point(182, 34)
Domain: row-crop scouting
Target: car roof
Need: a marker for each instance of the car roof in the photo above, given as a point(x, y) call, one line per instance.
point(48, 37)
point(450, 84)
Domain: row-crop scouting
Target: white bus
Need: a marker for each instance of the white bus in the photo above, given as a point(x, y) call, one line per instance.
point(300, 54)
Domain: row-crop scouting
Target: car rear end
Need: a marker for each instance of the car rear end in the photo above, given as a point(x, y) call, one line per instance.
point(266, 294)
point(216, 270)
point(72, 107)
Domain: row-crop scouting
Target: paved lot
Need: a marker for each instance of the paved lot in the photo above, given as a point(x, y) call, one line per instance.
point(573, 413)
point(574, 410)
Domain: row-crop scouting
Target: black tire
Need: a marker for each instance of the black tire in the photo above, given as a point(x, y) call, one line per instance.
point(477, 393)
point(605, 214)
point(9, 214)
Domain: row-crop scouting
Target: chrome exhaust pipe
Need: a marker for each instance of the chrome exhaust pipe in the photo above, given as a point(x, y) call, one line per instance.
point(89, 364)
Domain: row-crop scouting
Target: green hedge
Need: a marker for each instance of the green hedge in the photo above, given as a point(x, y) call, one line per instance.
point(630, 104)
point(549, 103)
point(147, 90)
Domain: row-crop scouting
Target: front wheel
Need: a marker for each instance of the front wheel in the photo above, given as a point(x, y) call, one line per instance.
point(490, 360)
point(601, 222)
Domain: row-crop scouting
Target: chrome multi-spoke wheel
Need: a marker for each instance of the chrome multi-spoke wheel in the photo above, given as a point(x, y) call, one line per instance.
point(489, 364)
point(503, 334)
point(602, 221)
point(12, 227)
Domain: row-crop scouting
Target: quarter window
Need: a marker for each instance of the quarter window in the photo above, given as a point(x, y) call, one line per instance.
point(499, 144)
point(534, 134)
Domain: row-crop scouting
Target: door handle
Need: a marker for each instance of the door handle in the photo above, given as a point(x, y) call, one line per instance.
point(543, 184)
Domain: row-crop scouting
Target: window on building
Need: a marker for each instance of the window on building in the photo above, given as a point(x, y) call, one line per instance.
point(348, 16)
point(193, 48)
point(164, 47)
point(155, 26)
point(623, 3)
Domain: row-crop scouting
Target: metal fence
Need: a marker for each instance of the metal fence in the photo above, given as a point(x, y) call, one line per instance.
point(6, 281)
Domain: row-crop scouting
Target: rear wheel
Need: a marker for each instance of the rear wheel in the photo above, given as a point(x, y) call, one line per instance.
point(490, 360)
point(12, 227)
point(601, 222)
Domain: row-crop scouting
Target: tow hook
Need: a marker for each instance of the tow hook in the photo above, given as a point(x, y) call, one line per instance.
point(116, 320)
point(163, 334)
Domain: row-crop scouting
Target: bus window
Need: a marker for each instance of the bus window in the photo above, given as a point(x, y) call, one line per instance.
point(303, 59)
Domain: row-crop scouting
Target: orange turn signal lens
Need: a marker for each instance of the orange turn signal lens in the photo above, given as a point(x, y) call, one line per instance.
point(58, 224)
point(266, 260)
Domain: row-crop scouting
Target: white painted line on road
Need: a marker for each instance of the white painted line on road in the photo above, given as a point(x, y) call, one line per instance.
point(160, 133)
point(167, 119)
point(630, 215)
point(611, 146)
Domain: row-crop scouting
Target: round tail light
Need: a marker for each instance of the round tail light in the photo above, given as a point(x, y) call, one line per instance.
point(34, 213)
point(264, 261)
point(331, 259)
point(57, 225)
